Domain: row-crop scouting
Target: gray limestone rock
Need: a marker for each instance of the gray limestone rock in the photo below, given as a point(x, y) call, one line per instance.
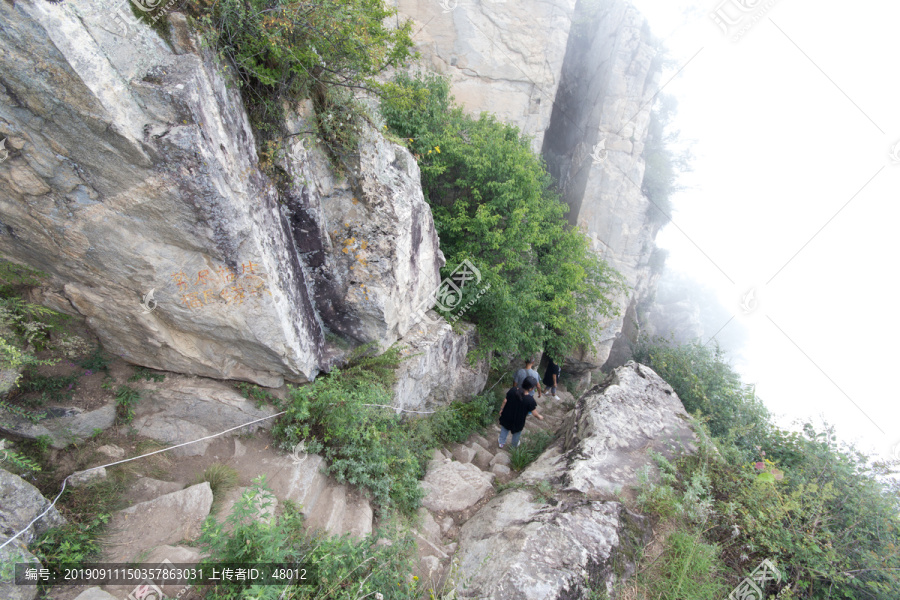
point(184, 409)
point(87, 477)
point(454, 486)
point(63, 426)
point(576, 537)
point(20, 503)
point(165, 520)
point(435, 369)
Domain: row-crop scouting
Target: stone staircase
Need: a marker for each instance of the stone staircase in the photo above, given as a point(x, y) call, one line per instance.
point(450, 501)
point(459, 480)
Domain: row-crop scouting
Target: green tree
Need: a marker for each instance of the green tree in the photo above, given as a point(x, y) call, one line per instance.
point(494, 205)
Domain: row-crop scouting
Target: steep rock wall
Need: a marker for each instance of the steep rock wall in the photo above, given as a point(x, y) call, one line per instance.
point(595, 142)
point(501, 57)
point(572, 75)
point(133, 169)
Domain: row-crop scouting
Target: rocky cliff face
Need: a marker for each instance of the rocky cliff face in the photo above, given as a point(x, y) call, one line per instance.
point(133, 169)
point(501, 57)
point(558, 544)
point(579, 77)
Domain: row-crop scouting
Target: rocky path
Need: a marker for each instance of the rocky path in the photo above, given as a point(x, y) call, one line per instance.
point(163, 515)
point(462, 478)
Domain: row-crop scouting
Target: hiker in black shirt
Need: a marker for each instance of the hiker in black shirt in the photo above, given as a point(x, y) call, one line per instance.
point(514, 411)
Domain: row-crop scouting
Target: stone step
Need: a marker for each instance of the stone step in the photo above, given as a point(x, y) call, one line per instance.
point(358, 516)
point(328, 513)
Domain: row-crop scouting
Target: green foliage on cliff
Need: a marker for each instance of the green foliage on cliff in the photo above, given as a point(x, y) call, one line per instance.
point(25, 328)
point(664, 160)
point(493, 205)
point(337, 568)
point(820, 511)
point(285, 50)
point(347, 417)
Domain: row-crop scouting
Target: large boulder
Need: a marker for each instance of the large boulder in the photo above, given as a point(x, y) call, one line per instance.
point(133, 181)
point(63, 425)
point(20, 503)
point(501, 57)
point(534, 543)
point(165, 520)
point(435, 368)
point(453, 486)
point(184, 409)
point(517, 547)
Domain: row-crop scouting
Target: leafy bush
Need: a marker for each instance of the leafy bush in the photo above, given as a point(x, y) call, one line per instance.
point(96, 361)
point(346, 416)
point(493, 205)
point(126, 398)
point(147, 375)
point(529, 449)
point(51, 388)
point(285, 50)
point(344, 569)
point(811, 506)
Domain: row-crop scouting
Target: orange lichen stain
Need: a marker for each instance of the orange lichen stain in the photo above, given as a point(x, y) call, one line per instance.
point(355, 201)
point(346, 250)
point(364, 245)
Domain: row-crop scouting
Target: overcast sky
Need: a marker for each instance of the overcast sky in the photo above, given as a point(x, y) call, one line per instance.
point(794, 195)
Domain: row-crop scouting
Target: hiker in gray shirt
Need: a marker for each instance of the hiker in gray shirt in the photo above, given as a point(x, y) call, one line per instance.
point(528, 371)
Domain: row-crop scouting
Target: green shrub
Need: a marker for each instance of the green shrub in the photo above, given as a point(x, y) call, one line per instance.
point(260, 395)
point(286, 50)
point(141, 373)
point(689, 569)
point(25, 328)
point(529, 449)
point(126, 398)
point(493, 205)
point(96, 361)
point(345, 569)
point(57, 388)
point(820, 511)
point(663, 162)
point(346, 415)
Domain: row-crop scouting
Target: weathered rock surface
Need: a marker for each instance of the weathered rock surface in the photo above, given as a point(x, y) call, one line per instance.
point(189, 408)
point(164, 521)
point(571, 536)
point(147, 488)
point(17, 553)
point(63, 426)
point(133, 181)
point(95, 593)
point(20, 502)
point(616, 427)
point(594, 146)
point(88, 477)
point(454, 486)
point(435, 368)
point(553, 548)
point(501, 57)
